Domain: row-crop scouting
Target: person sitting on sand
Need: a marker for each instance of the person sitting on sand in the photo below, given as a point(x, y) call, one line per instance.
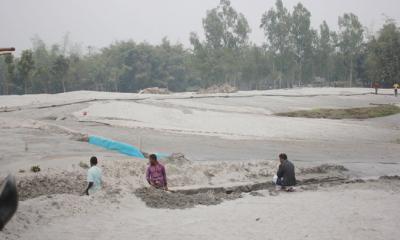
point(285, 178)
point(155, 173)
point(93, 177)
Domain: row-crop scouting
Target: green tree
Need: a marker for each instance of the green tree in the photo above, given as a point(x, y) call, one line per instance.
point(325, 52)
point(9, 60)
point(302, 37)
point(59, 70)
point(383, 59)
point(43, 61)
point(256, 68)
point(294, 53)
point(226, 33)
point(276, 24)
point(351, 40)
point(25, 67)
point(224, 27)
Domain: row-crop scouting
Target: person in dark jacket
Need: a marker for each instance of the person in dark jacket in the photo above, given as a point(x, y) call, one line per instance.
point(285, 177)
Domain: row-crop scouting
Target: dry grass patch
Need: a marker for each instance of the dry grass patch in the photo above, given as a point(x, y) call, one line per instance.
point(347, 113)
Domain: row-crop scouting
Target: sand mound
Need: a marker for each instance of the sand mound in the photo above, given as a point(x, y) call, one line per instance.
point(177, 158)
point(194, 173)
point(325, 168)
point(72, 183)
point(224, 88)
point(395, 177)
point(183, 172)
point(155, 90)
point(48, 184)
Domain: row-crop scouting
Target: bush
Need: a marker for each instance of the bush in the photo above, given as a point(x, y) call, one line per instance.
point(35, 168)
point(83, 165)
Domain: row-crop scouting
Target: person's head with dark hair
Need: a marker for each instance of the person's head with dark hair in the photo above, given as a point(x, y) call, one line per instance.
point(153, 159)
point(282, 157)
point(93, 161)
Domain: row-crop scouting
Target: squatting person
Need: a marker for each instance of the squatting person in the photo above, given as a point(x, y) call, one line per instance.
point(285, 177)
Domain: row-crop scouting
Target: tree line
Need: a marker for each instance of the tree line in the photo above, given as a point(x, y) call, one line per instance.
point(294, 54)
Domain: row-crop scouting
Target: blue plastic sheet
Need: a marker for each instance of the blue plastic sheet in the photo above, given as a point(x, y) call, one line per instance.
point(162, 155)
point(120, 147)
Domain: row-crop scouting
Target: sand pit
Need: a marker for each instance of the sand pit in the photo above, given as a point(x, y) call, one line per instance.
point(155, 198)
point(189, 198)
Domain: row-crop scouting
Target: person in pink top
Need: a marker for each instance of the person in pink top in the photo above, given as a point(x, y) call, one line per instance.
point(155, 173)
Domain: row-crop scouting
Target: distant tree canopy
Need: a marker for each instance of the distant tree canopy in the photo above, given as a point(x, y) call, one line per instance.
point(294, 54)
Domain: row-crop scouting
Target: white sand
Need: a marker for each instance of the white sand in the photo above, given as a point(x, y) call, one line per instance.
point(70, 97)
point(335, 214)
point(229, 125)
point(355, 211)
point(195, 117)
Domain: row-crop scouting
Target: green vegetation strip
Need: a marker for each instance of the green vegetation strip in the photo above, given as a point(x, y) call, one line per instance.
point(348, 113)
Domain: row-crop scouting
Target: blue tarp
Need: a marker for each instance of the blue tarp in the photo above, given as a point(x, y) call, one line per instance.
point(121, 147)
point(162, 155)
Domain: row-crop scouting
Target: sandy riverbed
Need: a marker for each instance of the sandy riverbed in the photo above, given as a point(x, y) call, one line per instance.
point(230, 142)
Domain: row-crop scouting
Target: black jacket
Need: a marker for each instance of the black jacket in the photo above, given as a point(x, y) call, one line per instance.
point(286, 172)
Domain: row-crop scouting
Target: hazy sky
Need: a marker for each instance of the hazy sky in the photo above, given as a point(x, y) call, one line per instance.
point(101, 22)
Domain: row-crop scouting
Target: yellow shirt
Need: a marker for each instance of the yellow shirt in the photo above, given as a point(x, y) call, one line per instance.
point(396, 86)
